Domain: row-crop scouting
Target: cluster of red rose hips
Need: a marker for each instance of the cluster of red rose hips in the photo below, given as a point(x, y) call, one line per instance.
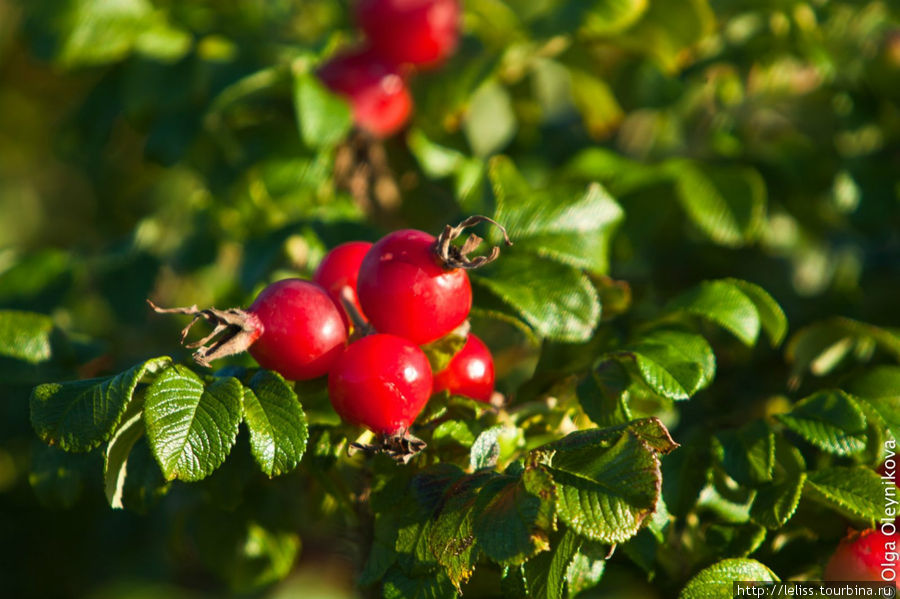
point(361, 321)
point(401, 35)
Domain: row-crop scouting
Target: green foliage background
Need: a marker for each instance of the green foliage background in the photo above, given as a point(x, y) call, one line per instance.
point(648, 156)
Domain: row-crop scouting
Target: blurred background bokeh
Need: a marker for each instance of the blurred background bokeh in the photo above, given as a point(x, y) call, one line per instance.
point(149, 148)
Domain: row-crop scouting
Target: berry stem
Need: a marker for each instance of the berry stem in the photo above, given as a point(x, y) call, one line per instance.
point(452, 256)
point(234, 330)
point(361, 327)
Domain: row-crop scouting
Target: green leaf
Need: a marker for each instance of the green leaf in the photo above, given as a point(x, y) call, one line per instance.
point(605, 17)
point(191, 428)
point(748, 453)
point(686, 472)
point(441, 351)
point(486, 449)
point(556, 300)
point(830, 420)
point(667, 32)
point(596, 101)
point(715, 582)
point(603, 394)
point(605, 488)
point(856, 492)
point(776, 501)
point(619, 174)
point(97, 32)
point(723, 303)
point(511, 523)
point(490, 121)
point(25, 336)
point(545, 574)
point(277, 424)
point(771, 316)
point(452, 537)
point(80, 415)
point(821, 346)
point(144, 483)
point(398, 585)
point(323, 118)
point(727, 204)
point(674, 364)
point(118, 449)
point(574, 229)
point(585, 570)
point(880, 388)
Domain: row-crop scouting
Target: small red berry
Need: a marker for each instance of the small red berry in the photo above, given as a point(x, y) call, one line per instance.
point(381, 382)
point(862, 557)
point(422, 32)
point(340, 269)
point(376, 90)
point(302, 333)
point(470, 373)
point(404, 290)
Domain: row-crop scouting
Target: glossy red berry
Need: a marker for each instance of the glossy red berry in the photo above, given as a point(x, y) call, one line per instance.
point(381, 382)
point(404, 290)
point(862, 556)
point(340, 269)
point(422, 32)
point(470, 373)
point(375, 88)
point(302, 332)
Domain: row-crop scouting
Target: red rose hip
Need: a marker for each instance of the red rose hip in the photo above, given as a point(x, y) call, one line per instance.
point(421, 32)
point(381, 382)
point(470, 373)
point(340, 269)
point(861, 556)
point(302, 330)
point(293, 328)
point(404, 289)
point(376, 90)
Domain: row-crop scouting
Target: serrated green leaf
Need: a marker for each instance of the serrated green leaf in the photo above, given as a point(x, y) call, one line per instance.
point(727, 204)
point(572, 228)
point(511, 524)
point(733, 540)
point(323, 118)
point(25, 336)
point(856, 492)
point(674, 364)
point(748, 453)
point(191, 427)
point(776, 501)
point(80, 415)
point(435, 585)
point(144, 484)
point(715, 582)
point(556, 300)
point(830, 420)
point(771, 316)
point(117, 452)
point(724, 304)
point(277, 424)
point(605, 491)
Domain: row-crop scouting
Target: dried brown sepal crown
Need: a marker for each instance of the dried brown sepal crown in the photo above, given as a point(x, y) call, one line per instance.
point(234, 331)
point(452, 256)
point(400, 447)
